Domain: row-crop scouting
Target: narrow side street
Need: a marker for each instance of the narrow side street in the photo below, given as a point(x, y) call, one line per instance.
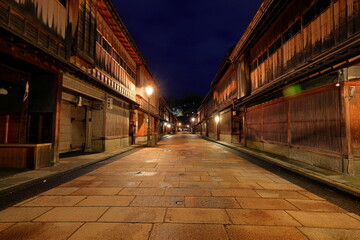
point(185, 188)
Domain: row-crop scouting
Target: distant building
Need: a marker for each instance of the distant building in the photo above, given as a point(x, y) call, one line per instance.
point(291, 85)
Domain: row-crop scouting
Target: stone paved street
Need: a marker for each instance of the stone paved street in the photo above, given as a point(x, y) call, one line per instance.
point(185, 188)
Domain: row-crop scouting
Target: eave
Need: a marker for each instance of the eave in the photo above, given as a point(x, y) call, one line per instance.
point(108, 12)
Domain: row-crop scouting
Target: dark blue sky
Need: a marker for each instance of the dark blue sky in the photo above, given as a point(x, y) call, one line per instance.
point(184, 42)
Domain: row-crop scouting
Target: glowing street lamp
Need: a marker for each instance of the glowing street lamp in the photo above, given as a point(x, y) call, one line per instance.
point(217, 119)
point(149, 90)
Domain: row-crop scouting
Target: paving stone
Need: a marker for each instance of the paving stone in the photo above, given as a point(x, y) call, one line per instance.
point(354, 215)
point(158, 184)
point(158, 201)
point(143, 191)
point(85, 178)
point(103, 201)
point(211, 202)
point(315, 205)
point(183, 179)
point(118, 231)
point(199, 185)
point(22, 214)
point(254, 180)
point(81, 184)
point(25, 201)
point(261, 217)
point(265, 203)
point(330, 234)
point(326, 220)
point(239, 185)
point(4, 226)
point(96, 191)
point(196, 215)
point(280, 194)
point(193, 192)
point(60, 191)
point(264, 233)
point(133, 214)
point(119, 184)
point(218, 179)
point(40, 231)
point(280, 186)
point(221, 174)
point(234, 192)
point(72, 214)
point(188, 231)
point(170, 169)
point(204, 173)
point(311, 195)
point(54, 201)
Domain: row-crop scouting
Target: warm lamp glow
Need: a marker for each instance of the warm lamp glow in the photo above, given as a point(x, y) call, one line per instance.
point(193, 119)
point(3, 91)
point(217, 119)
point(179, 124)
point(149, 91)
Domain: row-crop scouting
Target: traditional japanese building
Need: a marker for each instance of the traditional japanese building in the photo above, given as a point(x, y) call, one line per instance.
point(71, 79)
point(297, 73)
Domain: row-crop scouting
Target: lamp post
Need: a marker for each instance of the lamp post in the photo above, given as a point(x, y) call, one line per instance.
point(149, 90)
point(217, 120)
point(193, 125)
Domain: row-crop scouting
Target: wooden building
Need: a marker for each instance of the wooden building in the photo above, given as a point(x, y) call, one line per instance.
point(297, 72)
point(71, 79)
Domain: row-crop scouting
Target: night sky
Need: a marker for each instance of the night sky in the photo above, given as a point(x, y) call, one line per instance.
point(184, 42)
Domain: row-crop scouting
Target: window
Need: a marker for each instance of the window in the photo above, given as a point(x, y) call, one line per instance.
point(315, 11)
point(275, 46)
point(295, 28)
point(287, 35)
point(321, 5)
point(63, 2)
point(309, 15)
point(254, 65)
point(98, 37)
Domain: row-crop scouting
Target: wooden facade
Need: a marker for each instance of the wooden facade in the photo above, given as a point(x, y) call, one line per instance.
point(297, 73)
point(75, 80)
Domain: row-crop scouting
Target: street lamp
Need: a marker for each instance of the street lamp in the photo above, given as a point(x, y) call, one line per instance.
point(192, 125)
point(149, 90)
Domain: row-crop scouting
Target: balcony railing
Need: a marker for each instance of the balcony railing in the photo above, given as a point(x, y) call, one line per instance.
point(144, 105)
point(20, 25)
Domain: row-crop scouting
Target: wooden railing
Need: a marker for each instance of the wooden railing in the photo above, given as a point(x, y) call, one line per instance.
point(17, 23)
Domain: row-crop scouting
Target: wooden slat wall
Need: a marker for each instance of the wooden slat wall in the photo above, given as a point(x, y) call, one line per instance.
point(117, 119)
point(335, 24)
point(50, 12)
point(2, 127)
point(354, 107)
point(243, 76)
point(275, 122)
point(225, 123)
point(212, 128)
point(254, 123)
point(314, 120)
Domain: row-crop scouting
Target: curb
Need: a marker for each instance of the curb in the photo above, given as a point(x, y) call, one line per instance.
point(352, 191)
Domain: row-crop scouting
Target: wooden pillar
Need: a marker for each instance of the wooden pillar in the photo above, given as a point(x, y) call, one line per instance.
point(6, 135)
point(347, 156)
point(56, 117)
point(24, 114)
point(88, 129)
